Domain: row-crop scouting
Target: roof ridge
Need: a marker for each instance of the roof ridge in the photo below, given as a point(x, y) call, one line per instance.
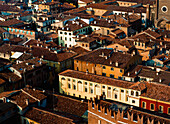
point(29, 95)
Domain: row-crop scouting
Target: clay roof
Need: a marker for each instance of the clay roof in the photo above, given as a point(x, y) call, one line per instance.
point(7, 93)
point(29, 94)
point(9, 8)
point(109, 57)
point(4, 62)
point(11, 22)
point(70, 105)
point(16, 39)
point(75, 25)
point(87, 1)
point(45, 117)
point(163, 75)
point(48, 55)
point(6, 48)
point(78, 50)
point(152, 33)
point(24, 56)
point(140, 1)
point(97, 78)
point(2, 81)
point(29, 64)
point(2, 30)
point(103, 23)
point(157, 91)
point(9, 76)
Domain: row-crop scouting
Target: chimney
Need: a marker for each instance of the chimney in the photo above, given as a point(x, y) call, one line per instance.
point(102, 54)
point(27, 101)
point(94, 22)
point(157, 73)
point(160, 80)
point(116, 64)
point(161, 43)
point(128, 74)
point(136, 72)
point(4, 99)
point(33, 89)
point(108, 21)
point(110, 62)
point(87, 72)
point(67, 29)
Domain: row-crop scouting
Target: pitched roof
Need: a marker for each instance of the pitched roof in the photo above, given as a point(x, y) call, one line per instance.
point(106, 57)
point(97, 79)
point(157, 91)
point(69, 105)
point(11, 22)
point(32, 95)
point(45, 117)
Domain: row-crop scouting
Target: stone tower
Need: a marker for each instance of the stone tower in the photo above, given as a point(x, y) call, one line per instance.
point(162, 12)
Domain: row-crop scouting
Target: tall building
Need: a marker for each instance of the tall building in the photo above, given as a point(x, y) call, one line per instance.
point(162, 13)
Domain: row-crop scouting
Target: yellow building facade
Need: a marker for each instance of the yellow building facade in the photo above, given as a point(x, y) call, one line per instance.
point(83, 85)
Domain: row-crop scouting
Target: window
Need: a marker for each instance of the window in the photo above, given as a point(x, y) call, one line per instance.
point(65, 38)
point(115, 96)
point(103, 87)
point(27, 32)
point(104, 67)
point(121, 70)
point(120, 78)
point(164, 9)
point(111, 76)
point(85, 89)
point(139, 44)
point(161, 109)
point(137, 94)
point(91, 84)
point(68, 79)
point(85, 83)
point(122, 91)
point(109, 88)
point(91, 90)
point(69, 33)
point(73, 80)
point(61, 38)
point(132, 93)
point(31, 33)
point(108, 32)
point(152, 106)
point(168, 110)
point(99, 121)
point(112, 69)
point(143, 104)
point(74, 86)
point(70, 39)
point(69, 86)
point(133, 101)
point(103, 74)
point(61, 32)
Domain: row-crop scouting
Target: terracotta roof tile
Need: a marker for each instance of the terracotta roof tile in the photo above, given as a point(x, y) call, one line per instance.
point(45, 117)
point(96, 78)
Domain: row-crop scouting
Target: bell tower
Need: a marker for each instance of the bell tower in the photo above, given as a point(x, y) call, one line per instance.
point(162, 12)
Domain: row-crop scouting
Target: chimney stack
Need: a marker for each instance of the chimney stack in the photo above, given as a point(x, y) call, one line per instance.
point(116, 64)
point(27, 101)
